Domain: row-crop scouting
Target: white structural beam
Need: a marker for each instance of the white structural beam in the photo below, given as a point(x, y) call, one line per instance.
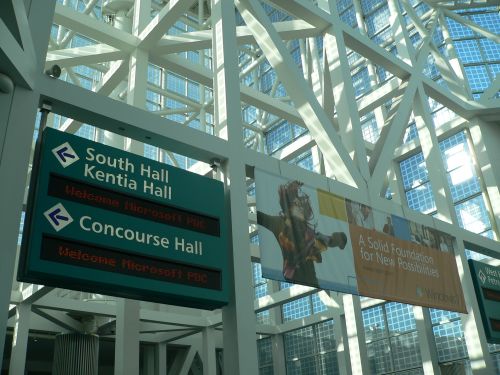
point(197, 40)
point(491, 91)
point(467, 110)
point(177, 319)
point(13, 58)
point(240, 352)
point(33, 292)
point(277, 340)
point(400, 33)
point(94, 29)
point(60, 318)
point(442, 132)
point(478, 29)
point(271, 105)
point(161, 358)
point(137, 83)
point(208, 351)
point(365, 45)
point(453, 59)
point(393, 131)
point(63, 41)
point(137, 73)
point(301, 94)
point(374, 53)
point(360, 43)
point(20, 337)
point(302, 9)
point(455, 82)
point(458, 5)
point(390, 137)
point(18, 57)
point(293, 325)
point(475, 337)
point(354, 40)
point(380, 95)
point(168, 336)
point(164, 326)
point(298, 147)
point(23, 28)
point(148, 362)
point(75, 306)
point(188, 361)
point(248, 95)
point(141, 16)
point(285, 295)
point(112, 78)
point(127, 337)
point(118, 117)
point(486, 140)
point(356, 335)
point(108, 83)
point(188, 41)
point(278, 355)
point(86, 55)
point(334, 301)
point(432, 155)
point(426, 341)
point(343, 93)
point(18, 107)
point(128, 311)
point(162, 22)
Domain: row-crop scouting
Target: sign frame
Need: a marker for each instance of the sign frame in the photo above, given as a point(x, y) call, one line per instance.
point(106, 221)
point(488, 297)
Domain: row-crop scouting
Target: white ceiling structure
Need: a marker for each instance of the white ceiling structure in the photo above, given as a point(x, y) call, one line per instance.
point(319, 96)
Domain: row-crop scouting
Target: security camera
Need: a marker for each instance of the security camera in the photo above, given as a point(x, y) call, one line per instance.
point(6, 84)
point(54, 71)
point(215, 164)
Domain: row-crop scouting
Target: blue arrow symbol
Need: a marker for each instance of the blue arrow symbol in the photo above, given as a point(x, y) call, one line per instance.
point(55, 217)
point(63, 154)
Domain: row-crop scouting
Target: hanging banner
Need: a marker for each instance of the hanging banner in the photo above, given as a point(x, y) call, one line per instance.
point(312, 237)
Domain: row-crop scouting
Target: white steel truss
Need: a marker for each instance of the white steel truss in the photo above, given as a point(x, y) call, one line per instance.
point(117, 58)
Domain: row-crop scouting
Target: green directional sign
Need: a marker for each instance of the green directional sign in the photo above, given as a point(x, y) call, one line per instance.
point(108, 221)
point(486, 281)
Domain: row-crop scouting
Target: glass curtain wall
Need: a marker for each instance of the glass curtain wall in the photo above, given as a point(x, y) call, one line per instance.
point(391, 339)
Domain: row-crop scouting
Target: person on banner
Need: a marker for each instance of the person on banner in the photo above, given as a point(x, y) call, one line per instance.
point(360, 214)
point(442, 245)
point(388, 227)
point(301, 245)
point(363, 216)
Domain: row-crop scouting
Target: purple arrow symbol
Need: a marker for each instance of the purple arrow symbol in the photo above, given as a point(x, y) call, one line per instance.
point(63, 154)
point(55, 217)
